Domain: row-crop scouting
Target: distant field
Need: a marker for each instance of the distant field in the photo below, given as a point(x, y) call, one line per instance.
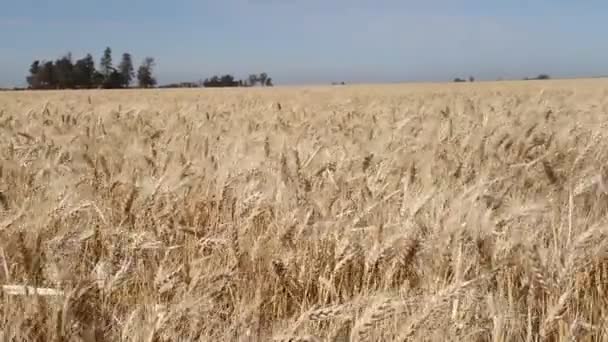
point(463, 212)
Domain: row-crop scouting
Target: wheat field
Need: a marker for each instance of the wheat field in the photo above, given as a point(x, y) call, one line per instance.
point(430, 212)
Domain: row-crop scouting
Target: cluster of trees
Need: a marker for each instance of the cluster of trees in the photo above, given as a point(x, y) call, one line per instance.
point(225, 81)
point(229, 81)
point(460, 80)
point(64, 73)
point(539, 77)
point(181, 85)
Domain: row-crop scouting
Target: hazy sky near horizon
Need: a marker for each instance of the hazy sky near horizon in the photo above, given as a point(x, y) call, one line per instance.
point(314, 41)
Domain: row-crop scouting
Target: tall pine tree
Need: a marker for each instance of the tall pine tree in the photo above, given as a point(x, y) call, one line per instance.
point(105, 64)
point(126, 69)
point(144, 73)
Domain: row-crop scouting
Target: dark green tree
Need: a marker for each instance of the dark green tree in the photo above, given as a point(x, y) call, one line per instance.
point(269, 82)
point(126, 69)
point(105, 65)
point(212, 82)
point(145, 75)
point(32, 79)
point(262, 78)
point(84, 72)
point(64, 72)
point(228, 81)
point(46, 75)
point(114, 80)
point(253, 80)
point(98, 79)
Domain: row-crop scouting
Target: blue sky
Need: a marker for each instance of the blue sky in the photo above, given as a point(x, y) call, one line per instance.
point(315, 41)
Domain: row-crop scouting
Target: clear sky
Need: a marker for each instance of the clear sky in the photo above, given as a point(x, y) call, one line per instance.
point(315, 41)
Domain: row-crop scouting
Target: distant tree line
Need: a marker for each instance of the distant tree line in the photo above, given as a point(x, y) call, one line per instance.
point(64, 73)
point(229, 81)
point(461, 80)
point(226, 81)
point(539, 77)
